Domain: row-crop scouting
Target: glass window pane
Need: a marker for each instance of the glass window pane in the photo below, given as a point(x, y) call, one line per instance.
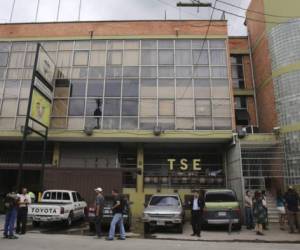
point(165, 44)
point(27, 73)
point(18, 46)
point(184, 88)
point(29, 59)
point(114, 57)
point(217, 44)
point(237, 71)
point(148, 72)
point(199, 44)
point(218, 57)
point(219, 72)
point(48, 46)
point(131, 44)
point(9, 107)
point(221, 108)
point(149, 44)
point(183, 57)
point(131, 71)
point(202, 88)
point(114, 71)
point(22, 110)
point(147, 123)
point(149, 57)
point(129, 123)
point(131, 58)
point(60, 107)
point(3, 59)
point(201, 72)
point(204, 123)
point(4, 46)
point(203, 107)
point(65, 45)
point(79, 73)
point(93, 122)
point(82, 45)
point(76, 123)
point(111, 123)
point(131, 88)
point(165, 57)
point(112, 107)
point(7, 123)
point(184, 72)
point(184, 123)
point(76, 107)
point(222, 123)
point(96, 72)
point(166, 72)
point(182, 44)
point(115, 44)
point(95, 88)
point(81, 58)
point(220, 88)
point(200, 57)
point(59, 123)
point(97, 58)
point(113, 88)
point(148, 88)
point(166, 88)
point(2, 73)
point(1, 88)
point(166, 123)
point(63, 73)
point(98, 45)
point(64, 59)
point(185, 108)
point(78, 88)
point(14, 73)
point(148, 107)
point(166, 107)
point(16, 59)
point(130, 107)
point(11, 89)
point(93, 107)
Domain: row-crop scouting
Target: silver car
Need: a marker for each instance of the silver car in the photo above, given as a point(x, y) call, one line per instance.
point(163, 210)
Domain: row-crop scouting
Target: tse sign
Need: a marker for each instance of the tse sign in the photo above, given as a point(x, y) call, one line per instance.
point(184, 164)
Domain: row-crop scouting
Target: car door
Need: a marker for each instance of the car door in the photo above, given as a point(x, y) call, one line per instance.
point(82, 204)
point(76, 205)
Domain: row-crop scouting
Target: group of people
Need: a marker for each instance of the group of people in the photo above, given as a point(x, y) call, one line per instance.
point(256, 210)
point(16, 206)
point(117, 210)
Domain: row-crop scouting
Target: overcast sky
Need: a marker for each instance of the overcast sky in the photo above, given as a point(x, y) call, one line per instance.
point(68, 10)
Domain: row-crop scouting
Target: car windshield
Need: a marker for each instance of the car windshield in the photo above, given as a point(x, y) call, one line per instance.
point(220, 197)
point(164, 201)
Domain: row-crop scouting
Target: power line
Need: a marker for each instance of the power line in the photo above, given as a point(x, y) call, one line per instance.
point(257, 12)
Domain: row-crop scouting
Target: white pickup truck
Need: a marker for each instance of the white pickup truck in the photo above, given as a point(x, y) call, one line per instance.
point(58, 205)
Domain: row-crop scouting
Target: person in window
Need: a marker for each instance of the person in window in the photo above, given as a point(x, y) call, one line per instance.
point(98, 113)
point(10, 205)
point(292, 208)
point(259, 213)
point(197, 205)
point(99, 211)
point(249, 210)
point(118, 210)
point(24, 201)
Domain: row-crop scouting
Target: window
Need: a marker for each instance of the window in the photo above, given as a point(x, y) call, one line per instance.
point(203, 107)
point(149, 57)
point(16, 60)
point(113, 88)
point(131, 58)
point(132, 44)
point(82, 45)
point(200, 57)
point(184, 123)
point(29, 59)
point(4, 46)
point(11, 89)
point(166, 88)
point(98, 45)
point(237, 71)
point(149, 72)
point(97, 58)
point(148, 107)
point(130, 107)
point(148, 88)
point(111, 123)
point(149, 44)
point(131, 71)
point(166, 108)
point(220, 88)
point(115, 44)
point(221, 108)
point(165, 44)
point(114, 57)
point(131, 88)
point(74, 197)
point(96, 72)
point(185, 108)
point(64, 59)
point(81, 58)
point(3, 59)
point(218, 72)
point(76, 107)
point(112, 107)
point(79, 198)
point(240, 102)
point(182, 44)
point(202, 88)
point(219, 44)
point(94, 107)
point(218, 57)
point(78, 88)
point(66, 196)
point(202, 72)
point(95, 88)
point(166, 72)
point(129, 123)
point(184, 88)
point(165, 57)
point(184, 72)
point(183, 57)
point(59, 196)
point(114, 71)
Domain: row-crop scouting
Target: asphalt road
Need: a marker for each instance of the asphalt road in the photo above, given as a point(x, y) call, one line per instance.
point(33, 241)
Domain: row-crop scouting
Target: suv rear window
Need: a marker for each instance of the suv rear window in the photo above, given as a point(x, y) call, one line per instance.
point(220, 197)
point(164, 201)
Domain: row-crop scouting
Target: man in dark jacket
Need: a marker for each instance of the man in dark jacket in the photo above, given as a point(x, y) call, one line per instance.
point(196, 204)
point(10, 204)
point(292, 207)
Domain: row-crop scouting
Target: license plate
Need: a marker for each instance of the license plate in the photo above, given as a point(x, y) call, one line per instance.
point(160, 223)
point(222, 214)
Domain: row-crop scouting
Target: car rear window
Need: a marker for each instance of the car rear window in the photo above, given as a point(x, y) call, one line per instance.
point(164, 201)
point(220, 197)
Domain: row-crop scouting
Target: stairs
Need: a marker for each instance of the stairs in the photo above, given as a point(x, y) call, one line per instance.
point(273, 214)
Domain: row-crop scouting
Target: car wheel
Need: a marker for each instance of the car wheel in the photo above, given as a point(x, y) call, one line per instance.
point(147, 228)
point(180, 228)
point(92, 227)
point(35, 223)
point(69, 221)
point(237, 226)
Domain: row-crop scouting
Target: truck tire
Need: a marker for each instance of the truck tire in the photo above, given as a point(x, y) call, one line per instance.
point(147, 228)
point(35, 223)
point(179, 228)
point(69, 221)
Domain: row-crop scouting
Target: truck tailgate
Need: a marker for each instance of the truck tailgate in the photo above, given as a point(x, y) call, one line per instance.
point(43, 210)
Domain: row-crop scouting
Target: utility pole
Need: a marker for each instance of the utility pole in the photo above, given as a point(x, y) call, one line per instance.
point(194, 4)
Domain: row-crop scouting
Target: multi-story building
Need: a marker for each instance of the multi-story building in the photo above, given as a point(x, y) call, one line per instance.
point(144, 106)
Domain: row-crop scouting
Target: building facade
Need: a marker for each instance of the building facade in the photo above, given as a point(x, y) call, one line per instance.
point(144, 106)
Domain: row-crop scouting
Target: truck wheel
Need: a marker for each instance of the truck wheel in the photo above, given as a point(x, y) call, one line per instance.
point(69, 221)
point(180, 228)
point(147, 228)
point(35, 223)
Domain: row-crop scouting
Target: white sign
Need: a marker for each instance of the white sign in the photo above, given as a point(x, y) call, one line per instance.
point(45, 66)
point(43, 88)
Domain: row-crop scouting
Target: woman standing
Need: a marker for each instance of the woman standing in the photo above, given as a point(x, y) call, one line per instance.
point(259, 213)
point(281, 209)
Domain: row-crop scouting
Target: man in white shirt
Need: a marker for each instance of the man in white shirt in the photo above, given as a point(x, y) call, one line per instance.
point(196, 205)
point(24, 200)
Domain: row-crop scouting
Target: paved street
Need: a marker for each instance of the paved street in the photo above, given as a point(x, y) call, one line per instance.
point(33, 241)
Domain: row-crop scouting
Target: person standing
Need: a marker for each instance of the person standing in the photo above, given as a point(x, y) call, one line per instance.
point(259, 213)
point(99, 211)
point(10, 204)
point(265, 204)
point(281, 209)
point(24, 200)
point(292, 208)
point(197, 205)
point(117, 210)
point(249, 210)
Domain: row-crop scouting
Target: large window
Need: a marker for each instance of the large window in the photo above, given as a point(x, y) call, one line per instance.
point(237, 71)
point(124, 84)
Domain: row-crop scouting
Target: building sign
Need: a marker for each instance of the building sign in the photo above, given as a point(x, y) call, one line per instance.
point(40, 108)
point(45, 67)
point(43, 88)
point(185, 164)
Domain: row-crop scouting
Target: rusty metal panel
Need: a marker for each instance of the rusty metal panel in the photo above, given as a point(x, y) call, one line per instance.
point(83, 180)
